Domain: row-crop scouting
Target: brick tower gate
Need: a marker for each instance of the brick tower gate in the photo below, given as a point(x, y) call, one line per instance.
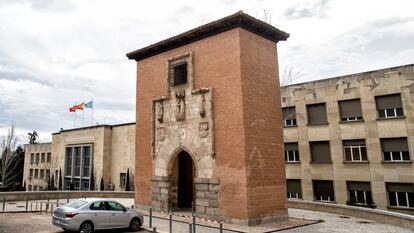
point(208, 125)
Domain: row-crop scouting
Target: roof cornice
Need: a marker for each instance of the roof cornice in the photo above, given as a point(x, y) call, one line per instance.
point(238, 19)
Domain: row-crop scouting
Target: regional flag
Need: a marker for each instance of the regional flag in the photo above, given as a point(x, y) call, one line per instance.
point(89, 104)
point(80, 106)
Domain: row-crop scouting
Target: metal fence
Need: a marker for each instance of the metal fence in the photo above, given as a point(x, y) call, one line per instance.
point(192, 226)
point(42, 206)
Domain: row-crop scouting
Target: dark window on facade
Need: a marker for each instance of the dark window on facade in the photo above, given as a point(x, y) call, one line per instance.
point(48, 174)
point(359, 193)
point(77, 160)
point(395, 149)
point(289, 116)
point(389, 106)
point(37, 157)
point(36, 173)
point(323, 190)
point(77, 167)
point(294, 189)
point(85, 184)
point(291, 152)
point(43, 158)
point(32, 158)
point(29, 188)
point(350, 110)
point(122, 180)
point(317, 114)
point(42, 173)
point(49, 157)
point(355, 150)
point(320, 152)
point(179, 74)
point(30, 173)
point(68, 162)
point(86, 161)
point(400, 194)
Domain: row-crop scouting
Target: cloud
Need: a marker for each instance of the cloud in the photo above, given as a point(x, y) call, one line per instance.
point(55, 53)
point(312, 9)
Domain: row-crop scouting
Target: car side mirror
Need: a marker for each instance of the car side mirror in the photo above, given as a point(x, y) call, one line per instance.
point(124, 210)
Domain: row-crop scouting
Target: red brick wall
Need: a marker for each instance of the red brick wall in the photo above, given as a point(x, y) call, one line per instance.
point(266, 181)
point(217, 64)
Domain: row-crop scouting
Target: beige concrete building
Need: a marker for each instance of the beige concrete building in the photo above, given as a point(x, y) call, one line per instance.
point(84, 156)
point(350, 139)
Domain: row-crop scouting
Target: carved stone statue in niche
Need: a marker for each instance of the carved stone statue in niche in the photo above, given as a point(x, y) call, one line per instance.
point(202, 106)
point(180, 109)
point(160, 112)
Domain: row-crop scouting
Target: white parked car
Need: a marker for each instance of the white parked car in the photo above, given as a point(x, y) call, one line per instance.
point(89, 214)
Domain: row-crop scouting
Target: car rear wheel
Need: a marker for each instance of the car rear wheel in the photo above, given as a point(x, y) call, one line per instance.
point(86, 227)
point(135, 224)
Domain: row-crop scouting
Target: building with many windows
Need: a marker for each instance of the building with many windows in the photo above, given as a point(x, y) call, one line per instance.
point(350, 139)
point(82, 157)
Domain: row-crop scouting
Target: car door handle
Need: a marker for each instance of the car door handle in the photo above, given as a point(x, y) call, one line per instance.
point(113, 214)
point(95, 214)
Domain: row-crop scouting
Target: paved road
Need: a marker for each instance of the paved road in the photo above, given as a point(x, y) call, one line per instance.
point(33, 223)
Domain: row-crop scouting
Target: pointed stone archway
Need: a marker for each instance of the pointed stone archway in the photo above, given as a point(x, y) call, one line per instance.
point(182, 181)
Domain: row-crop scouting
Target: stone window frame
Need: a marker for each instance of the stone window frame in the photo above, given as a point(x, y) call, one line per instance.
point(315, 157)
point(122, 179)
point(289, 152)
point(350, 105)
point(402, 153)
point(387, 110)
point(355, 145)
point(325, 191)
point(400, 190)
point(294, 191)
point(359, 193)
point(177, 60)
point(317, 114)
point(289, 116)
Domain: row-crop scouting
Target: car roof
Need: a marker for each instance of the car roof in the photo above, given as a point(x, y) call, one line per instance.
point(92, 199)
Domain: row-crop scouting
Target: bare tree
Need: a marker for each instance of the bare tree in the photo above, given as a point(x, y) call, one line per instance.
point(289, 76)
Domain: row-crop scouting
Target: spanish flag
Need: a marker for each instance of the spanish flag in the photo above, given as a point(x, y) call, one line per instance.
point(80, 106)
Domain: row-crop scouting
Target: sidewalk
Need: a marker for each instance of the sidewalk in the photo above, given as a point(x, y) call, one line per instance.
point(182, 220)
point(300, 221)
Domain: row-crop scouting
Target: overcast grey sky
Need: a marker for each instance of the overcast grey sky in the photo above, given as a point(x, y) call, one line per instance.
point(54, 53)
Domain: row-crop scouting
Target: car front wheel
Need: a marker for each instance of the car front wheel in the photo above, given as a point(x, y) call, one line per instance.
point(135, 224)
point(86, 227)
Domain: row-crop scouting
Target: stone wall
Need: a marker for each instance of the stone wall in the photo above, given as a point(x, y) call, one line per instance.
point(160, 193)
point(207, 194)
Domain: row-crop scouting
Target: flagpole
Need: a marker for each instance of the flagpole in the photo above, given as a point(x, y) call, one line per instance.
point(83, 115)
point(92, 112)
point(74, 123)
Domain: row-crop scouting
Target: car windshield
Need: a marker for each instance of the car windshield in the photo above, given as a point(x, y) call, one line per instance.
point(76, 204)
